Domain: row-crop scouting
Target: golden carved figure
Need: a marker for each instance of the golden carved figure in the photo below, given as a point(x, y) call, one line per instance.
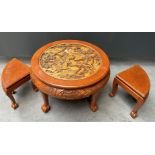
point(70, 61)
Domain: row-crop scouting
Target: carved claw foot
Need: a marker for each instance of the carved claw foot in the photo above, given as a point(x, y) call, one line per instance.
point(133, 114)
point(45, 108)
point(14, 105)
point(111, 95)
point(94, 107)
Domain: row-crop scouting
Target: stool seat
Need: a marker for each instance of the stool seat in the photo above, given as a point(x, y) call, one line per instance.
point(14, 74)
point(14, 71)
point(137, 79)
point(134, 81)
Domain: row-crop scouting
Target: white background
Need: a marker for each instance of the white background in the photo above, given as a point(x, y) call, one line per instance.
point(77, 16)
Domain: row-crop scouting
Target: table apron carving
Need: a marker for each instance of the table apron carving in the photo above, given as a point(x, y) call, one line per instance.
point(69, 94)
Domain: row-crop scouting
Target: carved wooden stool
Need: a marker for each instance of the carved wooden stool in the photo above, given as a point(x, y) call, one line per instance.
point(136, 82)
point(14, 75)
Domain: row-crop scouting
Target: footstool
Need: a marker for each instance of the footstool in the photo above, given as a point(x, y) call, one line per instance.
point(14, 75)
point(136, 82)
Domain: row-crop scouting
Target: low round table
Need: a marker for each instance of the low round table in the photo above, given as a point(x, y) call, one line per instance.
point(70, 70)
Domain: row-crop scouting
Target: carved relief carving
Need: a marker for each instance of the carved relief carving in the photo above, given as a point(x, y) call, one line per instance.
point(70, 61)
point(69, 94)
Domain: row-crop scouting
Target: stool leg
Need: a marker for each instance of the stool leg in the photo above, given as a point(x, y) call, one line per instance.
point(114, 88)
point(134, 111)
point(45, 107)
point(34, 87)
point(93, 104)
point(14, 105)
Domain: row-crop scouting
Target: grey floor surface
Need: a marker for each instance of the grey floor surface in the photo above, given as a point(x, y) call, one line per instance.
point(115, 109)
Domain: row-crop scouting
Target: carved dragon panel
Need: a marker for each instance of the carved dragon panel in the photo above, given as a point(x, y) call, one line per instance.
point(70, 61)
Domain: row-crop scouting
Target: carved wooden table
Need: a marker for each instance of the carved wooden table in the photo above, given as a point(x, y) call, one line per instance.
point(70, 70)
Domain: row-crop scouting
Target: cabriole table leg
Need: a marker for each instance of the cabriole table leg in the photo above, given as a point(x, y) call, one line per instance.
point(45, 107)
point(93, 104)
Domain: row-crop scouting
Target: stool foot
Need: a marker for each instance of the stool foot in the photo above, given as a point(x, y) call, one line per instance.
point(45, 108)
point(114, 88)
point(133, 114)
point(14, 105)
point(111, 95)
point(94, 107)
point(136, 108)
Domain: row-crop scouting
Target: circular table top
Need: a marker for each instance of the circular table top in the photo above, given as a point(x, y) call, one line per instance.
point(70, 64)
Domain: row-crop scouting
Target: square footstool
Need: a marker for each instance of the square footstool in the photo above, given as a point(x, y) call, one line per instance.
point(134, 81)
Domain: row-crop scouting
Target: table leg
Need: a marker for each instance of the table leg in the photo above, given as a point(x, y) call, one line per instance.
point(45, 107)
point(93, 104)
